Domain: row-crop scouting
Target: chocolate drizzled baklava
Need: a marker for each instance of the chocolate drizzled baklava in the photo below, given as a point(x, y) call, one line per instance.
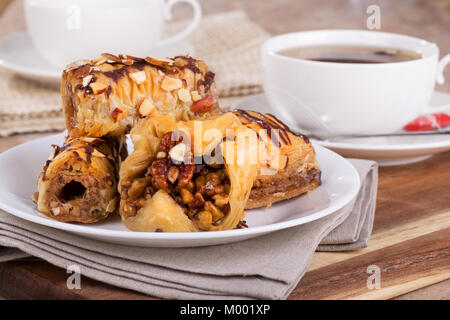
point(110, 94)
point(79, 181)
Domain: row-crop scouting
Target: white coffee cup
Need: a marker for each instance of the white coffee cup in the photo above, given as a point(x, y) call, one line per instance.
point(327, 99)
point(67, 30)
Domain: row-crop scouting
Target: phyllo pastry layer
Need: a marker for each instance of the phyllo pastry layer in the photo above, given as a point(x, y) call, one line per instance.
point(287, 161)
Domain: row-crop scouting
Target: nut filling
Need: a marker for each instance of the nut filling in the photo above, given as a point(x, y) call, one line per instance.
point(201, 190)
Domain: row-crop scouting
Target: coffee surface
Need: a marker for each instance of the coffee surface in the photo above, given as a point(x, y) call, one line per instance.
point(351, 54)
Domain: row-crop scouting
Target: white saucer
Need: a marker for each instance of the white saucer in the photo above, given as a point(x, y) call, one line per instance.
point(387, 151)
point(20, 167)
point(18, 54)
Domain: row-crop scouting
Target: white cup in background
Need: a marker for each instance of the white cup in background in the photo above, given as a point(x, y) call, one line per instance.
point(345, 98)
point(67, 30)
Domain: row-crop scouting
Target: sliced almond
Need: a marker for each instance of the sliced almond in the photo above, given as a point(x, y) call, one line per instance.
point(138, 77)
point(98, 154)
point(87, 80)
point(118, 114)
point(82, 71)
point(159, 61)
point(184, 95)
point(195, 95)
point(170, 84)
point(127, 62)
point(111, 57)
point(98, 87)
point(99, 60)
point(56, 211)
point(146, 108)
point(111, 205)
point(177, 152)
point(76, 64)
point(88, 139)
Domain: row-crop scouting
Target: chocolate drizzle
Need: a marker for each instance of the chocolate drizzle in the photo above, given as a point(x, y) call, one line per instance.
point(269, 122)
point(121, 72)
point(191, 63)
point(209, 80)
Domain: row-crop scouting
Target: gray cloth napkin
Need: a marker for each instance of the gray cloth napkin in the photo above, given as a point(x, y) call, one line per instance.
point(268, 267)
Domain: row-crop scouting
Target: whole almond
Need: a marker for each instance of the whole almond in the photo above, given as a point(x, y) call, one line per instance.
point(203, 105)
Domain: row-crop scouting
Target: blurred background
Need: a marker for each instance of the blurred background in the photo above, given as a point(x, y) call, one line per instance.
point(228, 39)
point(428, 19)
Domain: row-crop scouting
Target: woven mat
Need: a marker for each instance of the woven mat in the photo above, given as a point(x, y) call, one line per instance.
point(229, 42)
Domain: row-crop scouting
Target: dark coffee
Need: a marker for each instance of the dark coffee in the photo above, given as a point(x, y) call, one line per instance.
point(351, 54)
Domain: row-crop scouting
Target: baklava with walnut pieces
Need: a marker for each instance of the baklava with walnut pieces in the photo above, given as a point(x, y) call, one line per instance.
point(168, 185)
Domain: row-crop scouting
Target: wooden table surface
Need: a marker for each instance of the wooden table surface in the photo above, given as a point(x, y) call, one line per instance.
point(411, 237)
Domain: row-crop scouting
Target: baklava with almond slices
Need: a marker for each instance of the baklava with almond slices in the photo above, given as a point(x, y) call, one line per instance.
point(108, 95)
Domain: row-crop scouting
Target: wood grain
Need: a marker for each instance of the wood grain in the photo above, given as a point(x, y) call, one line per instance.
point(408, 265)
point(25, 279)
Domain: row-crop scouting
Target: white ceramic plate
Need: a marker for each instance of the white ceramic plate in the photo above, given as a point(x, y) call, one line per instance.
point(18, 54)
point(20, 167)
point(387, 150)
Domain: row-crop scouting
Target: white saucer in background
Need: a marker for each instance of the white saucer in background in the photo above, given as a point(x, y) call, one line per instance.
point(386, 150)
point(18, 54)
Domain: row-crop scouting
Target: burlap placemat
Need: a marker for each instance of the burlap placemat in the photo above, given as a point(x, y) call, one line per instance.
point(229, 42)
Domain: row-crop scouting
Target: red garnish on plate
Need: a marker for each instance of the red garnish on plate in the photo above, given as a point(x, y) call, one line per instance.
point(429, 122)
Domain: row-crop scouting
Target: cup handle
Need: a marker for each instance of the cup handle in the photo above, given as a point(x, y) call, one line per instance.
point(194, 23)
point(440, 80)
point(440, 70)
